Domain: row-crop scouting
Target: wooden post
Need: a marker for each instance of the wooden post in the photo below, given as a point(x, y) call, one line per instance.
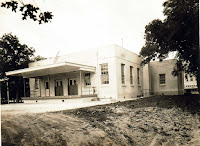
point(24, 87)
point(81, 82)
point(7, 92)
point(40, 86)
point(49, 84)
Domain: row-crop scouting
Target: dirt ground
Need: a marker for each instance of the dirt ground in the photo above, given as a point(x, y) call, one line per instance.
point(154, 121)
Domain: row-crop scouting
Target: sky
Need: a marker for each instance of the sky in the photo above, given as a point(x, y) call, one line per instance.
point(83, 24)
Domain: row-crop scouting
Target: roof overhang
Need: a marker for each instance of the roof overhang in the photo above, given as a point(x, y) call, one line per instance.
point(51, 69)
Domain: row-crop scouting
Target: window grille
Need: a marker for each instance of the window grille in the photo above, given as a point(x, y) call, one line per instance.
point(122, 73)
point(131, 75)
point(87, 79)
point(162, 78)
point(104, 73)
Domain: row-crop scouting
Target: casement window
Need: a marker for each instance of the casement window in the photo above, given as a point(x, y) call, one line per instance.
point(36, 83)
point(138, 76)
point(122, 73)
point(131, 75)
point(104, 74)
point(162, 79)
point(87, 79)
point(46, 85)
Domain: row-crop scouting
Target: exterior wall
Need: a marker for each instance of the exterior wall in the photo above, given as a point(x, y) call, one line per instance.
point(171, 87)
point(114, 56)
point(128, 58)
point(111, 54)
point(190, 84)
point(146, 80)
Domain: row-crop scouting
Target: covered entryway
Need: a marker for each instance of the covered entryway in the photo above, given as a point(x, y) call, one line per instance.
point(73, 87)
point(52, 84)
point(58, 88)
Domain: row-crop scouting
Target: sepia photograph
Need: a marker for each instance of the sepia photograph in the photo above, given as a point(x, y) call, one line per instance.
point(99, 73)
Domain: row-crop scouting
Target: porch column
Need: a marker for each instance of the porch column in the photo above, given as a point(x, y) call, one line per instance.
point(49, 84)
point(40, 86)
point(7, 92)
point(24, 87)
point(81, 82)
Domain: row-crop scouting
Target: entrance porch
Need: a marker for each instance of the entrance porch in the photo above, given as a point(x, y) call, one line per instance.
point(62, 80)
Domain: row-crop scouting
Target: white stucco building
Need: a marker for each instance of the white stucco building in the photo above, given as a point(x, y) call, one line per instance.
point(106, 72)
point(190, 84)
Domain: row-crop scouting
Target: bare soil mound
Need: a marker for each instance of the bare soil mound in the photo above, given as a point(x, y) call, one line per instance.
point(163, 120)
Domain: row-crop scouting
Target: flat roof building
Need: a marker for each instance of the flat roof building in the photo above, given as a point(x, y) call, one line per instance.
point(106, 72)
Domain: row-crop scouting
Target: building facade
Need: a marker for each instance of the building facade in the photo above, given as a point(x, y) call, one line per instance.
point(190, 84)
point(107, 72)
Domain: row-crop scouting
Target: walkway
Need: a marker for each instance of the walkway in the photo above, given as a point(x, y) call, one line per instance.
point(50, 106)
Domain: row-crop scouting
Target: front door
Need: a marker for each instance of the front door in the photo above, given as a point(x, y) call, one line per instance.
point(58, 88)
point(73, 87)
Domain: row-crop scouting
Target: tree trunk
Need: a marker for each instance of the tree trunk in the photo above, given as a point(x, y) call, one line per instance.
point(198, 82)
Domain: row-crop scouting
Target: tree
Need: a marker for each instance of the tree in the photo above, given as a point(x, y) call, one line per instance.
point(179, 32)
point(37, 58)
point(13, 56)
point(28, 10)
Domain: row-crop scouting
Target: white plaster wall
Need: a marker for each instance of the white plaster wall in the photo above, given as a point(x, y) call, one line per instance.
point(128, 58)
point(111, 54)
point(146, 80)
point(165, 67)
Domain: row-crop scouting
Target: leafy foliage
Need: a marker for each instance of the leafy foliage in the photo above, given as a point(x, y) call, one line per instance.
point(28, 10)
point(13, 56)
point(179, 32)
point(37, 58)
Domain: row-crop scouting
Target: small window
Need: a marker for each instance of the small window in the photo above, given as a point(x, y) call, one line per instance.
point(36, 83)
point(87, 79)
point(104, 74)
point(162, 79)
point(46, 85)
point(122, 73)
point(70, 82)
point(58, 83)
point(131, 75)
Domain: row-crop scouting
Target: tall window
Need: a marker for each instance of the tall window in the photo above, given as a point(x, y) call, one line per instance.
point(104, 73)
point(122, 73)
point(131, 75)
point(162, 78)
point(87, 79)
point(138, 76)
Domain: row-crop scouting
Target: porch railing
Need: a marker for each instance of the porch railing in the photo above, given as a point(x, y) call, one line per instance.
point(89, 91)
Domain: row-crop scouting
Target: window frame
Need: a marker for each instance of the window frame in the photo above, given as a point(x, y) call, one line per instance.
point(104, 74)
point(162, 81)
point(36, 85)
point(131, 75)
point(89, 79)
point(138, 77)
point(123, 74)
